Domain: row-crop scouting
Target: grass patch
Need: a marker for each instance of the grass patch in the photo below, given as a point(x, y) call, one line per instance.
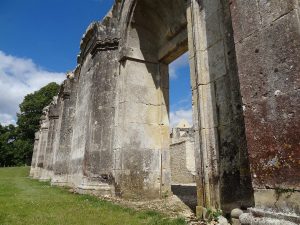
point(24, 201)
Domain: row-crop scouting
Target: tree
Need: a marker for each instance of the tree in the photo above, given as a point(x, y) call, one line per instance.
point(31, 110)
point(7, 138)
point(16, 142)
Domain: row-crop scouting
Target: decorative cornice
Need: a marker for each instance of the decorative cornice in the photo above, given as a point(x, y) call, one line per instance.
point(101, 36)
point(95, 45)
point(104, 45)
point(53, 117)
point(66, 95)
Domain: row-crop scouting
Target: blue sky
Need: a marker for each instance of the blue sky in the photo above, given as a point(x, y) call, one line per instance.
point(180, 91)
point(39, 42)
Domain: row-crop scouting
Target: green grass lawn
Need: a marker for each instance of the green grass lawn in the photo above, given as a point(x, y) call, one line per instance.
point(28, 202)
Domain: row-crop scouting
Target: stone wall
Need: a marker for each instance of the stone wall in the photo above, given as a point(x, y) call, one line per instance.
point(107, 132)
point(182, 156)
point(267, 40)
point(220, 141)
point(74, 146)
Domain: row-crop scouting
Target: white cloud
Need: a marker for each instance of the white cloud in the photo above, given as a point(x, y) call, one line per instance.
point(177, 116)
point(182, 61)
point(19, 77)
point(6, 119)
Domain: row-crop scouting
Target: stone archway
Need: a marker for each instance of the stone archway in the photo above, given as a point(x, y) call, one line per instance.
point(153, 34)
point(150, 39)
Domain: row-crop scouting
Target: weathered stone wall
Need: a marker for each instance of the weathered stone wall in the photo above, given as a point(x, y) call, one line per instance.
point(34, 154)
point(42, 144)
point(64, 131)
point(42, 166)
point(182, 156)
point(220, 142)
point(108, 131)
point(267, 39)
point(53, 116)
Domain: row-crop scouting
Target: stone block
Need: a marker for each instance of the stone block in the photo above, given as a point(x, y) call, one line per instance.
point(276, 68)
point(141, 74)
point(207, 106)
point(145, 136)
point(211, 6)
point(273, 10)
point(193, 72)
point(211, 64)
point(260, 217)
point(223, 101)
point(210, 147)
point(142, 113)
point(235, 213)
point(209, 29)
point(190, 30)
point(140, 175)
point(279, 200)
point(245, 18)
point(235, 222)
point(272, 130)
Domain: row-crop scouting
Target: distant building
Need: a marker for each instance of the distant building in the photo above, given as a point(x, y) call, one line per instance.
point(182, 154)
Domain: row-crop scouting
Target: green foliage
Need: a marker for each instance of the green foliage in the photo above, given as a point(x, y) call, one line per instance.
point(16, 142)
point(165, 194)
point(24, 201)
point(213, 215)
point(31, 110)
point(7, 137)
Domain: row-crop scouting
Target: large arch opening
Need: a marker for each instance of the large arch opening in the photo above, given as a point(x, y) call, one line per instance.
point(155, 33)
point(182, 138)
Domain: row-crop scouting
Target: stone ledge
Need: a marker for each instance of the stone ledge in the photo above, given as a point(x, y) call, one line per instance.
point(262, 217)
point(95, 189)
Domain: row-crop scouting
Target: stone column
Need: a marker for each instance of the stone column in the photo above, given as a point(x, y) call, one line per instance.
point(220, 142)
point(43, 139)
point(48, 158)
point(35, 154)
point(141, 149)
point(267, 40)
point(93, 133)
point(81, 125)
point(64, 132)
point(98, 157)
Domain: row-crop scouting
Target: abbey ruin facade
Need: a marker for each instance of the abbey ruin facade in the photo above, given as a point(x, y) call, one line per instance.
point(107, 131)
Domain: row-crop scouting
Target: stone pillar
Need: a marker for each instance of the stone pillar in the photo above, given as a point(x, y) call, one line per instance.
point(53, 116)
point(220, 141)
point(98, 157)
point(35, 154)
point(81, 126)
point(141, 149)
point(43, 139)
point(267, 39)
point(38, 150)
point(64, 132)
point(93, 133)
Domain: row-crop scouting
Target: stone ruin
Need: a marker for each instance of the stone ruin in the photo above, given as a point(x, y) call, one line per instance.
point(182, 154)
point(183, 164)
point(107, 132)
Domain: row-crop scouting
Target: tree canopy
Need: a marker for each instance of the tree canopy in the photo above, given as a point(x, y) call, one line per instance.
point(16, 142)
